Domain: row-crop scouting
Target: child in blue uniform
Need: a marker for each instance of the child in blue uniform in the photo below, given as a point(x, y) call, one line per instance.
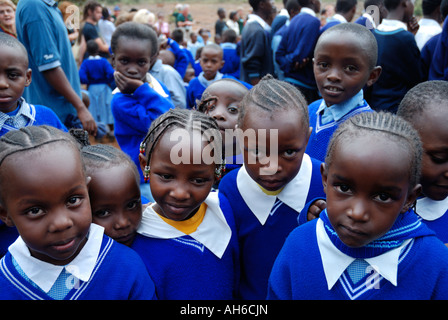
point(211, 61)
point(140, 98)
point(221, 100)
point(97, 73)
point(276, 181)
point(342, 67)
point(60, 253)
point(368, 243)
point(187, 238)
point(426, 107)
point(114, 189)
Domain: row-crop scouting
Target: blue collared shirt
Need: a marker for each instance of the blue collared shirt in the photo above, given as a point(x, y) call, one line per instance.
point(336, 111)
point(18, 118)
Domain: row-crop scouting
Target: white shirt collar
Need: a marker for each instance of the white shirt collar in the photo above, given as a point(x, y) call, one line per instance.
point(430, 209)
point(335, 262)
point(339, 18)
point(256, 18)
point(213, 232)
point(388, 25)
point(308, 11)
point(45, 274)
point(294, 194)
point(429, 23)
point(371, 20)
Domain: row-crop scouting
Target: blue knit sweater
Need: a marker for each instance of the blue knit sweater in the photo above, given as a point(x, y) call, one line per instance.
point(106, 283)
point(321, 135)
point(260, 244)
point(298, 272)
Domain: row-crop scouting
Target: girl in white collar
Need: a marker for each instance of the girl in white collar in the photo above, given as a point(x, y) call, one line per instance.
point(426, 107)
point(275, 183)
point(187, 237)
point(368, 243)
point(59, 254)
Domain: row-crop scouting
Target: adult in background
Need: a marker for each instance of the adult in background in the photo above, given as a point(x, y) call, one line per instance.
point(93, 12)
point(8, 17)
point(56, 81)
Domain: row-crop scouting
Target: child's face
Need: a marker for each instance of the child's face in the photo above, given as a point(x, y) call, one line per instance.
point(433, 131)
point(211, 62)
point(14, 77)
point(48, 204)
point(282, 163)
point(367, 187)
point(341, 68)
point(179, 189)
point(225, 108)
point(132, 58)
point(115, 201)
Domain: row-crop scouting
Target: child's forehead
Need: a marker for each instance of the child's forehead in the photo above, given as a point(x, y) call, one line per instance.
point(211, 52)
point(125, 43)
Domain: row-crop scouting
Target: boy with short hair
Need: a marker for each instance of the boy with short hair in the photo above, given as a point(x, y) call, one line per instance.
point(398, 55)
point(343, 66)
point(345, 11)
point(15, 112)
point(211, 62)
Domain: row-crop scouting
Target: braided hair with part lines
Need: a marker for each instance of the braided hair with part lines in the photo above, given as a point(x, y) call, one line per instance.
point(184, 119)
point(272, 95)
point(384, 124)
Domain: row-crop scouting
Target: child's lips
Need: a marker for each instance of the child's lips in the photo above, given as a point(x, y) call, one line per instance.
point(64, 245)
point(333, 90)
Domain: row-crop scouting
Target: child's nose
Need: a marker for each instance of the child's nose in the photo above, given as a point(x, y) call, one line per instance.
point(358, 211)
point(179, 193)
point(60, 222)
point(334, 75)
point(121, 221)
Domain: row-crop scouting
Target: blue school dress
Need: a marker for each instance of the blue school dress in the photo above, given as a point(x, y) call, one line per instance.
point(407, 263)
point(434, 214)
point(264, 221)
point(200, 266)
point(95, 273)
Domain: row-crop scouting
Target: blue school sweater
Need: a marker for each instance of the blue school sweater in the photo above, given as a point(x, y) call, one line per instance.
point(133, 115)
point(184, 268)
point(260, 242)
point(439, 66)
point(96, 70)
point(196, 88)
point(231, 59)
point(107, 281)
point(298, 272)
point(400, 59)
point(298, 42)
point(435, 215)
point(321, 135)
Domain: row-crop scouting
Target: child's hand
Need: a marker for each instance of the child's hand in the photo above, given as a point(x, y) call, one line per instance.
point(300, 65)
point(315, 209)
point(413, 25)
point(125, 84)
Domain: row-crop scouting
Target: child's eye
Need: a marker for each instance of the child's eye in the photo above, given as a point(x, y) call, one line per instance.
point(211, 107)
point(133, 204)
point(165, 176)
point(289, 153)
point(342, 188)
point(74, 201)
point(199, 180)
point(142, 62)
point(351, 68)
point(123, 61)
point(232, 110)
point(13, 76)
point(323, 65)
point(438, 159)
point(103, 213)
point(383, 197)
point(34, 212)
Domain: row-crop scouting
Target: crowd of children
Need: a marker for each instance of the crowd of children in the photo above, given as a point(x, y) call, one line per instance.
point(315, 167)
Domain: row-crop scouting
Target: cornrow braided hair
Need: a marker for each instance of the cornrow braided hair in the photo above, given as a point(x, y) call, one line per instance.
point(31, 138)
point(206, 98)
point(270, 95)
point(101, 156)
point(184, 119)
point(381, 123)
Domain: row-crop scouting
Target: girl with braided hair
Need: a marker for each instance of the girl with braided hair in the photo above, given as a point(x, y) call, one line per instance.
point(368, 243)
point(60, 254)
point(187, 238)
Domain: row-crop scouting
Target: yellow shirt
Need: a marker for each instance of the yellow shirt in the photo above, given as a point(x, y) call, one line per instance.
point(270, 193)
point(190, 225)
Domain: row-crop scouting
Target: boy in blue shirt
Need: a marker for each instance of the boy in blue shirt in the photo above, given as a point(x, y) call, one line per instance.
point(343, 66)
point(345, 11)
point(296, 49)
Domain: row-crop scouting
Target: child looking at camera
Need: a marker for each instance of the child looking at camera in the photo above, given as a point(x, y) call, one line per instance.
point(187, 238)
point(368, 243)
point(60, 254)
point(276, 181)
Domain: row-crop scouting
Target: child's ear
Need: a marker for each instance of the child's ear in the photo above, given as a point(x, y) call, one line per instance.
point(113, 60)
point(374, 75)
point(324, 174)
point(28, 77)
point(412, 197)
point(4, 216)
point(88, 179)
point(222, 64)
point(142, 160)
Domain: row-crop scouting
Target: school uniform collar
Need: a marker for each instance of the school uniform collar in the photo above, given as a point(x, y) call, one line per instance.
point(45, 274)
point(214, 232)
point(97, 57)
point(294, 194)
point(388, 25)
point(51, 3)
point(25, 111)
point(335, 262)
point(339, 18)
point(336, 112)
point(430, 209)
point(308, 11)
point(256, 18)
